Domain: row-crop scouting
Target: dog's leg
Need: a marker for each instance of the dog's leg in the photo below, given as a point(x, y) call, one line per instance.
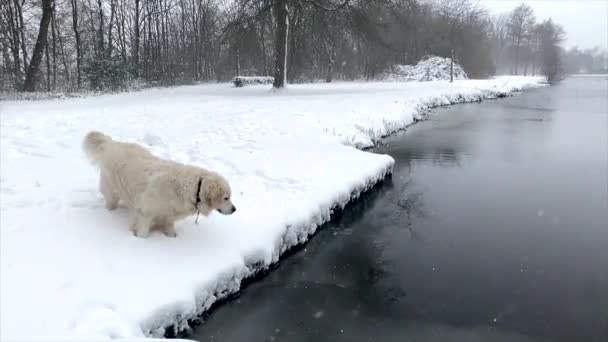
point(109, 195)
point(133, 222)
point(169, 229)
point(142, 225)
point(164, 225)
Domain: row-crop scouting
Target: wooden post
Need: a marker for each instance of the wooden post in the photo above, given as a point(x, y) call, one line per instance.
point(238, 62)
point(452, 66)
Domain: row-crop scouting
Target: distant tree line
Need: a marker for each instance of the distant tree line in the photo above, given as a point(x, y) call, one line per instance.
point(588, 61)
point(523, 46)
point(73, 45)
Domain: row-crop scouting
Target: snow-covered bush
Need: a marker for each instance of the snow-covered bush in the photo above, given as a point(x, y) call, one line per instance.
point(432, 68)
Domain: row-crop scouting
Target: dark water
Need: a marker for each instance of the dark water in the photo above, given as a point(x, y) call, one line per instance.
point(494, 228)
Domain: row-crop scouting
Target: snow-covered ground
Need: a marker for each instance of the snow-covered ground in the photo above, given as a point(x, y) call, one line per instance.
point(71, 270)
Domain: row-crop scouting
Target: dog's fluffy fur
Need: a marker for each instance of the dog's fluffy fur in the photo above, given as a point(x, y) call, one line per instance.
point(157, 192)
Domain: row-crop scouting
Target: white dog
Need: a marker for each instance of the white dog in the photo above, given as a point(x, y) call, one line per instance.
point(157, 192)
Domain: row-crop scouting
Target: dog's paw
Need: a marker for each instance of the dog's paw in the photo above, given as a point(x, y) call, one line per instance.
point(111, 205)
point(141, 234)
point(170, 233)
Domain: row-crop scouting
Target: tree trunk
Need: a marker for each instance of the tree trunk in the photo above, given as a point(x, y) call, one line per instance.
point(263, 45)
point(63, 58)
point(101, 28)
point(331, 60)
point(48, 68)
point(452, 66)
point(4, 81)
point(238, 62)
point(136, 39)
point(517, 56)
point(19, 8)
point(122, 37)
point(182, 35)
point(148, 46)
point(156, 52)
point(330, 69)
point(529, 56)
point(78, 43)
point(110, 28)
point(280, 56)
point(14, 46)
point(54, 37)
point(34, 67)
point(195, 42)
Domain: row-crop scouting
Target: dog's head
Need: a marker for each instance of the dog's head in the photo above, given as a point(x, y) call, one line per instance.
point(216, 194)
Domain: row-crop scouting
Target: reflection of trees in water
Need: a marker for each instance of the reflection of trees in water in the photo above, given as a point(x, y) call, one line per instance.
point(543, 108)
point(435, 152)
point(400, 208)
point(355, 210)
point(406, 203)
point(410, 206)
point(447, 156)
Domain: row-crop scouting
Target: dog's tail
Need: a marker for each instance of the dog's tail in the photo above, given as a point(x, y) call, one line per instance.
point(94, 145)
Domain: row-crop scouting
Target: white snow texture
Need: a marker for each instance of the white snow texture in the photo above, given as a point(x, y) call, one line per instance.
point(71, 270)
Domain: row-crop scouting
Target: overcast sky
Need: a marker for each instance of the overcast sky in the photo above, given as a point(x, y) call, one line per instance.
point(585, 21)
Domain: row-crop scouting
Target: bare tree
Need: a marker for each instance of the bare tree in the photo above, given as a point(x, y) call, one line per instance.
point(280, 57)
point(19, 7)
point(12, 31)
point(520, 28)
point(550, 37)
point(499, 36)
point(41, 41)
point(136, 36)
point(75, 27)
point(282, 28)
point(115, 44)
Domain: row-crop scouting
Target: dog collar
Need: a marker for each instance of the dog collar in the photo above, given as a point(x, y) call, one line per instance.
point(198, 193)
point(198, 199)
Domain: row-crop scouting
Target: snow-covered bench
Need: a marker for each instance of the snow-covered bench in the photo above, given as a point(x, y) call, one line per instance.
point(240, 81)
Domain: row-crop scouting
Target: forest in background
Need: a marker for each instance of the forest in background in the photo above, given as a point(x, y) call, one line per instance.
point(110, 45)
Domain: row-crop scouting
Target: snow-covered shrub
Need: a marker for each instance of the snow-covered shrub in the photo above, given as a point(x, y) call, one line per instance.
point(432, 68)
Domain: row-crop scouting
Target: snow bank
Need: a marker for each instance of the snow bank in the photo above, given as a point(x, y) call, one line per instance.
point(433, 68)
point(71, 270)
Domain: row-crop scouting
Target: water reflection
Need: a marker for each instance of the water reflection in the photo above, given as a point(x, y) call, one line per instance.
point(434, 151)
point(408, 205)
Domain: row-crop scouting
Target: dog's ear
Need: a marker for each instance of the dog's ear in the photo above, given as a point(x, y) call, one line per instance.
point(212, 190)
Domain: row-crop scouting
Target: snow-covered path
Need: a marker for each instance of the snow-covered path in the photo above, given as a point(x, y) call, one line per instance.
point(72, 270)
